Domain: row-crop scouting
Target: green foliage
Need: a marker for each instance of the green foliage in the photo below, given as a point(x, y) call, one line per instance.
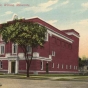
point(82, 62)
point(23, 33)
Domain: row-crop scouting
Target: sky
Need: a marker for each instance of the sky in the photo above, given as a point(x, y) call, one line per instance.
point(63, 14)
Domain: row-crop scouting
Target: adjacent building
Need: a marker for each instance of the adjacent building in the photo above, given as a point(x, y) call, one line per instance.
point(59, 55)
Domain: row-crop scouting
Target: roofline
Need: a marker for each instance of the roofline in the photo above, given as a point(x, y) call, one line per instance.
point(57, 31)
point(63, 35)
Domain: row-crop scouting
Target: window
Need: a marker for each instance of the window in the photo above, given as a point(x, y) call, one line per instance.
point(57, 65)
point(29, 49)
point(52, 65)
point(46, 36)
point(14, 48)
point(2, 49)
point(62, 66)
point(0, 64)
point(53, 53)
point(66, 66)
point(70, 66)
point(74, 67)
point(41, 65)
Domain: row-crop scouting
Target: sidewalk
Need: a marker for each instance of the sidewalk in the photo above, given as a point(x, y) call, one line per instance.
point(26, 83)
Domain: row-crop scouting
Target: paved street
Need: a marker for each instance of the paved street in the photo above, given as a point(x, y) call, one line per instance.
point(24, 83)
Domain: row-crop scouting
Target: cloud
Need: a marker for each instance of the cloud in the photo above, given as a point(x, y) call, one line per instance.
point(65, 2)
point(4, 0)
point(52, 22)
point(49, 3)
point(7, 13)
point(83, 22)
point(85, 5)
point(43, 7)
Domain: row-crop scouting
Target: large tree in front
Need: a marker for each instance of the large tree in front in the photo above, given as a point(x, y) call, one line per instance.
point(24, 34)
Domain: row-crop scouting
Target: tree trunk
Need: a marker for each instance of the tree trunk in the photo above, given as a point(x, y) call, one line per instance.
point(29, 63)
point(27, 68)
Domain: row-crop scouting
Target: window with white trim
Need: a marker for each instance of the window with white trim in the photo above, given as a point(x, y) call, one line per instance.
point(0, 64)
point(66, 66)
point(2, 49)
point(53, 53)
point(70, 66)
point(14, 48)
point(41, 65)
point(58, 65)
point(52, 65)
point(62, 66)
point(74, 67)
point(46, 36)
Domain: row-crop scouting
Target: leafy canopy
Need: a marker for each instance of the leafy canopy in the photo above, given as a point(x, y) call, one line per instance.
point(23, 33)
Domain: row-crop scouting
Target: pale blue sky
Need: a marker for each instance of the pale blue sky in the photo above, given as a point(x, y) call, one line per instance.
point(63, 14)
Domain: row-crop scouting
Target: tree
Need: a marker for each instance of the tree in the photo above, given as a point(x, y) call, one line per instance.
point(24, 34)
point(80, 63)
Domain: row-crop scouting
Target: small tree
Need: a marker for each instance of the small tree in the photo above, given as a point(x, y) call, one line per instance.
point(81, 64)
point(24, 34)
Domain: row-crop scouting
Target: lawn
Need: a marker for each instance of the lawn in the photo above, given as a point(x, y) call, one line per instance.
point(54, 77)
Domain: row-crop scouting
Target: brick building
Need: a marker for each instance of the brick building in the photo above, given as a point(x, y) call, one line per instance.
point(59, 55)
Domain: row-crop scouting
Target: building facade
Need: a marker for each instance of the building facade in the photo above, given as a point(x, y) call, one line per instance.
point(59, 55)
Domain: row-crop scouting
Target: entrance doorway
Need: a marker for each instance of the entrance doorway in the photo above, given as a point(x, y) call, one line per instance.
point(47, 69)
point(13, 67)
